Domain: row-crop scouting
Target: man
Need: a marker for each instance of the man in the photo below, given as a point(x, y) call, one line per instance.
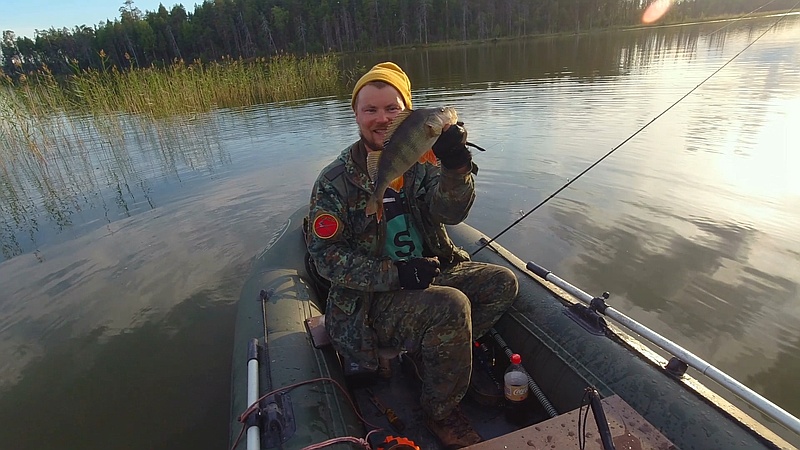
point(400, 282)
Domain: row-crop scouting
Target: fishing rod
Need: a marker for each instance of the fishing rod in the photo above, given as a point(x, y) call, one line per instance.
point(736, 19)
point(610, 152)
point(598, 305)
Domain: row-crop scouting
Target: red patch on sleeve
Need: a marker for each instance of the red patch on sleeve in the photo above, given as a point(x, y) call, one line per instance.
point(326, 226)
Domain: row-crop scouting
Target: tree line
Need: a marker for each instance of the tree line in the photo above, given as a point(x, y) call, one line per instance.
point(220, 29)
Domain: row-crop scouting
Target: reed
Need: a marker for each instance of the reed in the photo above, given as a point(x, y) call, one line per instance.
point(26, 109)
point(199, 87)
point(65, 143)
point(31, 108)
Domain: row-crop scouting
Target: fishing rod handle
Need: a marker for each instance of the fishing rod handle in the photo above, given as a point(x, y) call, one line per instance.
point(551, 277)
point(537, 269)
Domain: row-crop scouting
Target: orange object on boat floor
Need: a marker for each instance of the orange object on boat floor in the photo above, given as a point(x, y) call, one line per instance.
point(397, 443)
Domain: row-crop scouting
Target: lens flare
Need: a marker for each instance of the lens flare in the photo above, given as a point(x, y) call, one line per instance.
point(655, 11)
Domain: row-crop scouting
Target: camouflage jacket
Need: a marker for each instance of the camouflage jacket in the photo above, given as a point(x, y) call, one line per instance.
point(353, 258)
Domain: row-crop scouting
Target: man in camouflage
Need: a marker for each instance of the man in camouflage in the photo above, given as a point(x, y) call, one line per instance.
point(401, 283)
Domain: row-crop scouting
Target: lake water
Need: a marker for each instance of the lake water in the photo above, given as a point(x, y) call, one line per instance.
point(125, 252)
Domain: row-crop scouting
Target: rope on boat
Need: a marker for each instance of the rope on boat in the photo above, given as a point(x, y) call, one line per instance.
point(256, 405)
point(361, 442)
point(537, 391)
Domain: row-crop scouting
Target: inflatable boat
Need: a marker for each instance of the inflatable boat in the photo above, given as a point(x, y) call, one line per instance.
point(594, 383)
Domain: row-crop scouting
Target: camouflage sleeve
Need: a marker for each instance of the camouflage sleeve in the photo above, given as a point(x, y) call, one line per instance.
point(453, 194)
point(338, 257)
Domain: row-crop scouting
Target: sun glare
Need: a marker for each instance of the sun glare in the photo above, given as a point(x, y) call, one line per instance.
point(655, 11)
point(769, 169)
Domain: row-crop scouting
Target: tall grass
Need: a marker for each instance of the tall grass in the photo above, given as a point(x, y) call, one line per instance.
point(197, 87)
point(30, 108)
point(64, 141)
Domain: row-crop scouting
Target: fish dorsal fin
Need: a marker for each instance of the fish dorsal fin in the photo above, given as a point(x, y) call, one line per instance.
point(372, 164)
point(398, 119)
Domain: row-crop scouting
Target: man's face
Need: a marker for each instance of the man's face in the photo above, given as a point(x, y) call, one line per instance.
point(375, 108)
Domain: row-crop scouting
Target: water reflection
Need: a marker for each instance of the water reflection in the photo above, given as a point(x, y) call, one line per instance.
point(95, 171)
point(97, 389)
point(697, 280)
point(126, 271)
point(692, 225)
point(583, 57)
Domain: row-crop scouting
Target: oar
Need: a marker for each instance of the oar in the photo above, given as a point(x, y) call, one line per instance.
point(253, 431)
point(752, 397)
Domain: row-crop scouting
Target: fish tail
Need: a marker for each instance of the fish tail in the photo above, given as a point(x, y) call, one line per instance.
point(428, 157)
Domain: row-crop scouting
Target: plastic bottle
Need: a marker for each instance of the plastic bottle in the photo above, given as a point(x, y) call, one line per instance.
point(516, 391)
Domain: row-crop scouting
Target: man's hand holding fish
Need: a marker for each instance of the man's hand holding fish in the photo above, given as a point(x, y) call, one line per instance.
point(451, 148)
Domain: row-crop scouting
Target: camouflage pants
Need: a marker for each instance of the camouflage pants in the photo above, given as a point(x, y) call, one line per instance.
point(438, 324)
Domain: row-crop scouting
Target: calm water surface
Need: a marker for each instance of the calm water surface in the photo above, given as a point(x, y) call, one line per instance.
point(124, 253)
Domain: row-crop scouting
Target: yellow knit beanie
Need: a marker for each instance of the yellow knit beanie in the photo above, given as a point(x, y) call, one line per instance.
point(387, 72)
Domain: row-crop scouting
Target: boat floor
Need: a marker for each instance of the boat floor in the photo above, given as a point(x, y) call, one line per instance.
point(401, 393)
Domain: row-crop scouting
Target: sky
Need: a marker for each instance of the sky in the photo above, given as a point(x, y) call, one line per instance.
point(25, 16)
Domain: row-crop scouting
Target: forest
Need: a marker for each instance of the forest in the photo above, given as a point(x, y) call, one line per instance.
point(245, 29)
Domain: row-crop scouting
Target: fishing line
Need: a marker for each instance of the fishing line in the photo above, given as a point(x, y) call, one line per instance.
point(568, 183)
point(732, 21)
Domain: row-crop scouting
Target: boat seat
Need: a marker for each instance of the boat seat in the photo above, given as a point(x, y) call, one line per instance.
point(316, 329)
point(320, 338)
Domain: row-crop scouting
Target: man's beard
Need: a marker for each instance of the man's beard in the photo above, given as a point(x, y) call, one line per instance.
point(369, 144)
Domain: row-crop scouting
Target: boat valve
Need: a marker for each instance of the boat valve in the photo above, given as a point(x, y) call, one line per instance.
point(676, 367)
point(278, 420)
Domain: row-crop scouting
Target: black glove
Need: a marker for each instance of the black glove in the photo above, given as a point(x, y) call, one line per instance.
point(417, 273)
point(451, 147)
